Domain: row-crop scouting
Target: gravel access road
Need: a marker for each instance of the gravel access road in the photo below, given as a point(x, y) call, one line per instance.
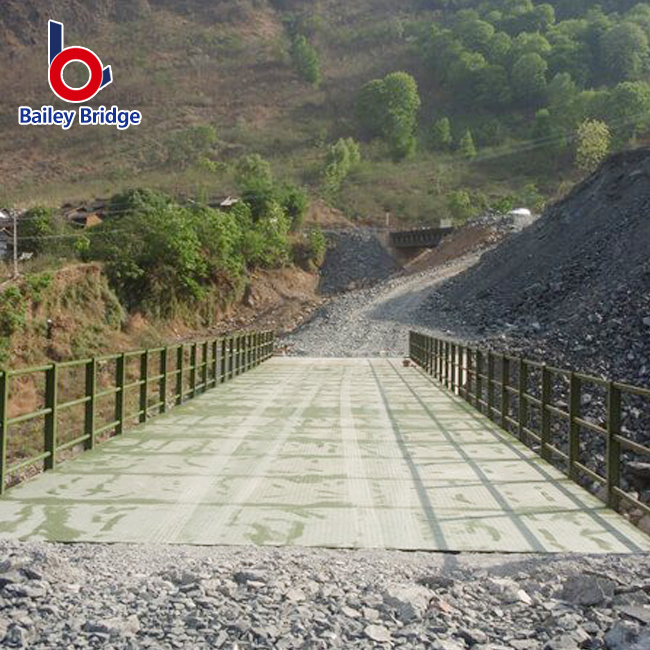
point(375, 321)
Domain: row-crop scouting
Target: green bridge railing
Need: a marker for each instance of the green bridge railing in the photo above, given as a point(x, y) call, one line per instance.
point(86, 401)
point(543, 406)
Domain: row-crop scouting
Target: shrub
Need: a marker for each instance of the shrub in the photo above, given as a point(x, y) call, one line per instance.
point(305, 59)
point(342, 157)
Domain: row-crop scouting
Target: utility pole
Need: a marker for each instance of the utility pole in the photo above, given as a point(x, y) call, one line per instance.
point(15, 245)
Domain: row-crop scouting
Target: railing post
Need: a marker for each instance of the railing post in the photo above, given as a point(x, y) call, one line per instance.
point(91, 390)
point(215, 363)
point(51, 390)
point(163, 380)
point(120, 397)
point(452, 366)
point(224, 360)
point(471, 379)
point(505, 395)
point(231, 357)
point(256, 353)
point(180, 370)
point(479, 380)
point(193, 364)
point(490, 385)
point(4, 433)
point(144, 386)
point(613, 445)
point(446, 353)
point(204, 367)
point(575, 389)
point(523, 402)
point(545, 416)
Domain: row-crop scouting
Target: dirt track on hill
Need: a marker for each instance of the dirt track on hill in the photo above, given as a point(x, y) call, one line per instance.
point(373, 322)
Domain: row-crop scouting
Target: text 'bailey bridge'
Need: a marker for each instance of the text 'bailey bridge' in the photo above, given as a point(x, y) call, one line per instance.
point(460, 450)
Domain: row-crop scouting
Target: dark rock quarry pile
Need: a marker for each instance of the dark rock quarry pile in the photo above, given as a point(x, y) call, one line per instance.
point(573, 288)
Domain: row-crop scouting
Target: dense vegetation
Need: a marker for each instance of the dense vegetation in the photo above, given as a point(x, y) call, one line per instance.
point(161, 256)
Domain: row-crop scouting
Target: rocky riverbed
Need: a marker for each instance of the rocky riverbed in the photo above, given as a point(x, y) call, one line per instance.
point(124, 597)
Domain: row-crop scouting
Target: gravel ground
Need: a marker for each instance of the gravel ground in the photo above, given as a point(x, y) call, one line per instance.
point(92, 596)
point(372, 322)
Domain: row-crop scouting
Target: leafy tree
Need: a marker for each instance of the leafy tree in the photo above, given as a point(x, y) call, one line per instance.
point(465, 71)
point(295, 202)
point(389, 108)
point(154, 259)
point(254, 179)
point(306, 60)
point(475, 34)
point(526, 43)
point(34, 228)
point(625, 51)
point(529, 78)
point(499, 49)
point(492, 86)
point(629, 108)
point(460, 206)
point(592, 145)
point(441, 135)
point(253, 170)
point(466, 146)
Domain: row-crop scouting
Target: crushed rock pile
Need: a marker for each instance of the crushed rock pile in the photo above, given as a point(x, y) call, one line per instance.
point(574, 287)
point(355, 259)
point(128, 597)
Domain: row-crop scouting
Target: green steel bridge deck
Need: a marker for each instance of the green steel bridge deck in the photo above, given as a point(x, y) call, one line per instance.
point(353, 453)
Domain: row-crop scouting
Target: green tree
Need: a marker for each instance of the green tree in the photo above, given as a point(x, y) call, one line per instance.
point(475, 34)
point(295, 203)
point(306, 60)
point(154, 259)
point(499, 49)
point(466, 146)
point(441, 135)
point(625, 51)
point(35, 228)
point(389, 108)
point(628, 108)
point(529, 79)
point(492, 86)
point(592, 144)
point(252, 169)
point(461, 206)
point(526, 43)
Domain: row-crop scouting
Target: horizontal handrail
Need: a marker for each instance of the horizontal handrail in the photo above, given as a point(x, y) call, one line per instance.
point(526, 406)
point(167, 376)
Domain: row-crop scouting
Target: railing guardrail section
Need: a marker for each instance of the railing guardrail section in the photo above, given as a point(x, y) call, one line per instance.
point(118, 390)
point(528, 399)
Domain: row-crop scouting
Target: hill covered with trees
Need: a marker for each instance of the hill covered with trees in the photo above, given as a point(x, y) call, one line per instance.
point(424, 109)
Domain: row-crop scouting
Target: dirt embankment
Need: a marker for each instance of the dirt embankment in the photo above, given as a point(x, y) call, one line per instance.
point(75, 314)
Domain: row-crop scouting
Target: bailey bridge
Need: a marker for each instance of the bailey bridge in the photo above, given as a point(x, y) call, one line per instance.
point(455, 449)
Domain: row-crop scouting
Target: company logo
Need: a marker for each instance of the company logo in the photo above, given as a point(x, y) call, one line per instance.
point(60, 57)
